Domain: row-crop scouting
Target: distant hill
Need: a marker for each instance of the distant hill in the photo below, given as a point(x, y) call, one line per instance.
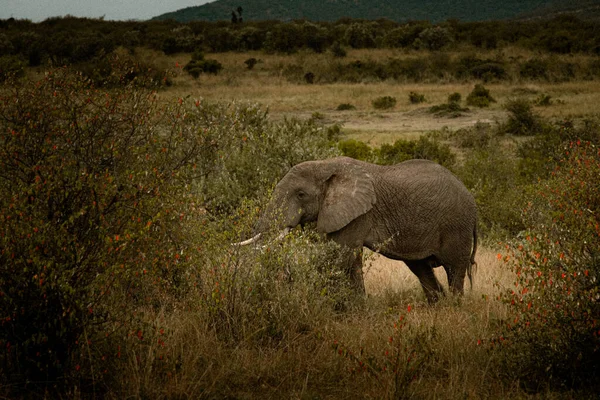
point(396, 10)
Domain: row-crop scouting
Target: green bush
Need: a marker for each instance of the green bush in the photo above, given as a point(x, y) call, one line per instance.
point(345, 107)
point(337, 50)
point(522, 120)
point(451, 109)
point(426, 147)
point(384, 103)
point(552, 327)
point(198, 65)
point(454, 98)
point(416, 98)
point(493, 178)
point(92, 181)
point(535, 69)
point(478, 137)
point(355, 149)
point(251, 62)
point(480, 97)
point(11, 66)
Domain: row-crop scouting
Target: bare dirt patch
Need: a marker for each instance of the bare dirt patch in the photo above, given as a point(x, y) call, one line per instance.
point(376, 128)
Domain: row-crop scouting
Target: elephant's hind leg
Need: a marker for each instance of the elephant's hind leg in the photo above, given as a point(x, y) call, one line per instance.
point(456, 275)
point(424, 271)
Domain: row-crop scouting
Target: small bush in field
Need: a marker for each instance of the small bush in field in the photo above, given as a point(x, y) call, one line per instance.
point(427, 148)
point(535, 69)
point(251, 62)
point(384, 103)
point(522, 120)
point(345, 107)
point(309, 78)
point(337, 50)
point(198, 65)
point(454, 98)
point(416, 98)
point(543, 100)
point(552, 328)
point(355, 149)
point(480, 97)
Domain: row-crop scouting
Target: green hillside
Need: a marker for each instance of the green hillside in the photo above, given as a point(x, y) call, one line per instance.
point(397, 10)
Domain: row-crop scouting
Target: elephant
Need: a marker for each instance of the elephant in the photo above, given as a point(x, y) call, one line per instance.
point(416, 211)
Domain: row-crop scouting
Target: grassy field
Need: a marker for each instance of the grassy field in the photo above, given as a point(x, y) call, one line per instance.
point(266, 84)
point(230, 323)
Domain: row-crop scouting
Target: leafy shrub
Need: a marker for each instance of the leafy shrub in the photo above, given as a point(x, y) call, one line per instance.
point(360, 35)
point(435, 38)
point(543, 100)
point(552, 328)
point(521, 119)
point(384, 102)
point(538, 154)
point(426, 147)
point(11, 66)
point(480, 97)
point(535, 68)
point(83, 205)
point(416, 98)
point(251, 62)
point(454, 98)
point(477, 137)
point(198, 64)
point(450, 109)
point(355, 149)
point(337, 50)
point(494, 180)
point(309, 78)
point(345, 106)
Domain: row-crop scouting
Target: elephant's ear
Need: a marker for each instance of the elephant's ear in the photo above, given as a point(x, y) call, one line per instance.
point(349, 194)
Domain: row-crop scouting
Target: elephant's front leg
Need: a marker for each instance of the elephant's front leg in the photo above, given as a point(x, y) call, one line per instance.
point(353, 266)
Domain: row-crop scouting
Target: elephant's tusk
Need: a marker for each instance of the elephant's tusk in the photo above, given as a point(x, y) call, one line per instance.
point(249, 241)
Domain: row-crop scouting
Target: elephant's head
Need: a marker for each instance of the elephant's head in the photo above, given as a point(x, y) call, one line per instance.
point(331, 193)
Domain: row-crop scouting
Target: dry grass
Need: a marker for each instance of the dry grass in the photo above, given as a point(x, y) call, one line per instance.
point(442, 339)
point(267, 85)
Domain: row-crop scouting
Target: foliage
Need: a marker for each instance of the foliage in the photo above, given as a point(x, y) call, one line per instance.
point(522, 120)
point(493, 178)
point(198, 64)
point(552, 329)
point(337, 50)
point(454, 98)
point(480, 97)
point(251, 62)
point(426, 147)
point(416, 98)
point(407, 357)
point(11, 66)
point(435, 38)
point(356, 149)
point(538, 155)
point(384, 102)
point(92, 180)
point(345, 107)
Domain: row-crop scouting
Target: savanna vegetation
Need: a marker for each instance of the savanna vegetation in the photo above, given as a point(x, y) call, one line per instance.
point(125, 176)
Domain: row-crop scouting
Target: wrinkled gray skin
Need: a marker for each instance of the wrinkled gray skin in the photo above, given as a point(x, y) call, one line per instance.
point(416, 211)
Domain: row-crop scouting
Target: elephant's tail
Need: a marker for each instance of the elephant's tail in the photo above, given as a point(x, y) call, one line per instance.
point(473, 265)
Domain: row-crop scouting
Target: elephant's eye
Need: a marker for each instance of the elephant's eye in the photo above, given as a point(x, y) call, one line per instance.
point(301, 195)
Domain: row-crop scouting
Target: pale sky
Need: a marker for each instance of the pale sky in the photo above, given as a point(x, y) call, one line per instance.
point(38, 10)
